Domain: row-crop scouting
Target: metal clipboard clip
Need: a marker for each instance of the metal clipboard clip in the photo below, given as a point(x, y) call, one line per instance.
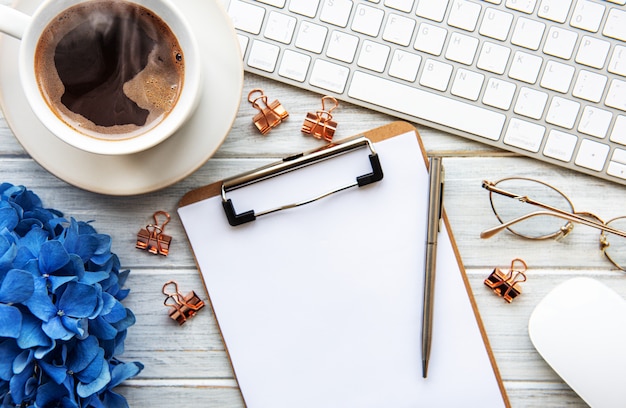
point(293, 163)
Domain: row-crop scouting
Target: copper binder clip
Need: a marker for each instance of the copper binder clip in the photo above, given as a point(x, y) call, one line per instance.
point(152, 238)
point(182, 307)
point(270, 115)
point(320, 123)
point(507, 284)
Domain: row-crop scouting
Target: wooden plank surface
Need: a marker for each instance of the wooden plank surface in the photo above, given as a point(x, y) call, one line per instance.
point(188, 365)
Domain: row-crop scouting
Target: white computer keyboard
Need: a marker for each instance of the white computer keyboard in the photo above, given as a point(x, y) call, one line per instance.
point(545, 78)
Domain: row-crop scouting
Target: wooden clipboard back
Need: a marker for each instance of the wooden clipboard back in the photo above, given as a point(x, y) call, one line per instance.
point(376, 135)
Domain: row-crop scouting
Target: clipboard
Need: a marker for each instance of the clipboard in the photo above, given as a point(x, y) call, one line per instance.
point(320, 305)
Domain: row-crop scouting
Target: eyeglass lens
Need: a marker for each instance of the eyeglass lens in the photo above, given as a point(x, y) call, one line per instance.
point(616, 250)
point(507, 208)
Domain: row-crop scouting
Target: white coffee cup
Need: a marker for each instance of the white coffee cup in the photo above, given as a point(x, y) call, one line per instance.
point(29, 30)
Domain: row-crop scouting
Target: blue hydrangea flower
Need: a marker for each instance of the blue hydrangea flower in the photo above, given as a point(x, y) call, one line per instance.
point(62, 322)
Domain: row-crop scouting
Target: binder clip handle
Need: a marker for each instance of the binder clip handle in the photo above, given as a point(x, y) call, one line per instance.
point(152, 239)
point(270, 114)
point(182, 308)
point(320, 124)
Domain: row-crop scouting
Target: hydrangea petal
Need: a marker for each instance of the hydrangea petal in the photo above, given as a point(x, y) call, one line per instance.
point(8, 218)
point(52, 256)
point(55, 330)
point(102, 329)
point(73, 325)
point(78, 300)
point(85, 390)
point(57, 281)
point(8, 351)
point(8, 251)
point(83, 353)
point(17, 286)
point(123, 371)
point(93, 370)
point(57, 373)
point(49, 394)
point(40, 303)
point(32, 335)
point(113, 400)
point(10, 321)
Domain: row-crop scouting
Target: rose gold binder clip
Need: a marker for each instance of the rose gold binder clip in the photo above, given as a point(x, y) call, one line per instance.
point(152, 238)
point(320, 123)
point(270, 115)
point(507, 284)
point(182, 308)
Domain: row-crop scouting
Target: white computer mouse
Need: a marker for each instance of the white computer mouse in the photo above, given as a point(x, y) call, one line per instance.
point(579, 328)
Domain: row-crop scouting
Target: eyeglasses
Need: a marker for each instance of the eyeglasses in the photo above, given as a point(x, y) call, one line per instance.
point(554, 218)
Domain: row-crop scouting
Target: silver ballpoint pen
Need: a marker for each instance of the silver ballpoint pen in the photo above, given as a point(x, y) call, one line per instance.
point(435, 196)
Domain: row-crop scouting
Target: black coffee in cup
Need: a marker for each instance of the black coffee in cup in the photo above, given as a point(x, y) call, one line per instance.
point(109, 68)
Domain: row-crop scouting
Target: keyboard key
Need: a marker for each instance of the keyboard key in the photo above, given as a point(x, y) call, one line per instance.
point(562, 112)
point(557, 76)
point(589, 86)
point(404, 65)
point(329, 76)
point(402, 5)
point(496, 24)
point(615, 26)
point(275, 3)
point(493, 58)
point(367, 20)
point(399, 29)
point(436, 75)
point(528, 33)
point(467, 84)
point(246, 17)
point(311, 37)
point(592, 155)
point(616, 169)
point(499, 94)
point(525, 6)
point(617, 65)
point(336, 12)
point(525, 67)
point(373, 56)
point(462, 48)
point(243, 43)
point(595, 122)
point(294, 65)
point(464, 15)
point(587, 15)
point(427, 106)
point(592, 52)
point(263, 56)
point(280, 27)
point(555, 10)
point(431, 9)
point(560, 42)
point(560, 145)
point(430, 39)
point(525, 135)
point(531, 103)
point(616, 97)
point(305, 7)
point(618, 135)
point(342, 46)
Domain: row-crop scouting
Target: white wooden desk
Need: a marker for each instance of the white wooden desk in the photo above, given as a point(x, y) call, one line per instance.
point(187, 366)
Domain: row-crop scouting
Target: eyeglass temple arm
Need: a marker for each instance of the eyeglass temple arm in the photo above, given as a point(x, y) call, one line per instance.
point(488, 233)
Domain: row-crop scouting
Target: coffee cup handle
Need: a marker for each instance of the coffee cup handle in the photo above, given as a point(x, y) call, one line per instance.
point(13, 22)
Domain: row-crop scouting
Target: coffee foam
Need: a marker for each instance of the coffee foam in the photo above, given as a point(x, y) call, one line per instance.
point(156, 88)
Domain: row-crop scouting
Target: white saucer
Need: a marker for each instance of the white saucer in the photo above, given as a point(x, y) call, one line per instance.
point(156, 168)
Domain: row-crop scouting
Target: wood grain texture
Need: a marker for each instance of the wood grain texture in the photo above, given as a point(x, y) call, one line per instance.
point(188, 365)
